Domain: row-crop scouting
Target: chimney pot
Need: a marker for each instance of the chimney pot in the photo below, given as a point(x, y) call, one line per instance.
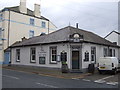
point(77, 25)
point(24, 38)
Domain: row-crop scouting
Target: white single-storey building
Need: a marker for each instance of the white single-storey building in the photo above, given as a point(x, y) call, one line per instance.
point(81, 48)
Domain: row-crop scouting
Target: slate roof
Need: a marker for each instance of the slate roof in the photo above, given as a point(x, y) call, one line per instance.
point(29, 12)
point(62, 35)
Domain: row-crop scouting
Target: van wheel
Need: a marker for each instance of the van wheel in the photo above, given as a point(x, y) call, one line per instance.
point(114, 71)
point(100, 72)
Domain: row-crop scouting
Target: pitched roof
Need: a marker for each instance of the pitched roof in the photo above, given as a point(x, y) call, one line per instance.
point(111, 33)
point(62, 35)
point(29, 12)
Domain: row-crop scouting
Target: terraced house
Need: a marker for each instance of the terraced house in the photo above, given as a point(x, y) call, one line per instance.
point(18, 22)
point(80, 48)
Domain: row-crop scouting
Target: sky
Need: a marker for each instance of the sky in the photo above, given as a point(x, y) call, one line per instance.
point(98, 16)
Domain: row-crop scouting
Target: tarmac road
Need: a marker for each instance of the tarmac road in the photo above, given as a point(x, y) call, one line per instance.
point(16, 79)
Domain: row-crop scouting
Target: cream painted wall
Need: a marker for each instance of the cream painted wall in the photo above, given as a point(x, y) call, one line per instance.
point(20, 27)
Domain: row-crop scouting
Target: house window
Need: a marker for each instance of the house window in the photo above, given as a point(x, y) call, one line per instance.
point(113, 52)
point(43, 24)
point(31, 33)
point(93, 54)
point(1, 17)
point(41, 60)
point(32, 55)
point(110, 52)
point(32, 21)
point(53, 54)
point(0, 33)
point(105, 52)
point(86, 56)
point(17, 55)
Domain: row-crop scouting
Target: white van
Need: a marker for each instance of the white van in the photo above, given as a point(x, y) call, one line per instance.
point(108, 64)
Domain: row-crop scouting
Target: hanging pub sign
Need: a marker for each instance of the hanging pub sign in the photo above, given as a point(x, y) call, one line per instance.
point(76, 37)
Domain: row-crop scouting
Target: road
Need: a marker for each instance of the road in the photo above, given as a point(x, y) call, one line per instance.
point(16, 79)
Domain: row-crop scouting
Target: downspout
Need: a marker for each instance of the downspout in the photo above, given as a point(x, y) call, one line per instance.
point(48, 27)
point(8, 29)
point(108, 52)
point(9, 37)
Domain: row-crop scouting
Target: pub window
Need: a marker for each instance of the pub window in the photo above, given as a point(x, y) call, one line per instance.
point(93, 54)
point(17, 55)
point(110, 52)
point(64, 56)
point(32, 55)
point(113, 52)
point(41, 60)
point(119, 60)
point(86, 56)
point(53, 54)
point(105, 52)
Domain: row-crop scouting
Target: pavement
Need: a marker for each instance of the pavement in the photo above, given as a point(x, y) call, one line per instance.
point(107, 79)
point(47, 72)
point(17, 79)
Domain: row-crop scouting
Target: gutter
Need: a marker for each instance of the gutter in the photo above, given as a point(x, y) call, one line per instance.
point(63, 42)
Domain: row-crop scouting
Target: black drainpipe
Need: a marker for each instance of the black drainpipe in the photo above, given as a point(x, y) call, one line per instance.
point(48, 27)
point(9, 36)
point(9, 29)
point(108, 51)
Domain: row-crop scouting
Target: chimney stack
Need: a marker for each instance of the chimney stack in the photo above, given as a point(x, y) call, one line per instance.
point(37, 12)
point(22, 7)
point(77, 25)
point(24, 38)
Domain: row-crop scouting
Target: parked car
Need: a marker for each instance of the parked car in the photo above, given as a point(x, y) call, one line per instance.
point(111, 64)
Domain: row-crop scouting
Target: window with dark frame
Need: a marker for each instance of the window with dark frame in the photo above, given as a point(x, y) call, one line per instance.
point(53, 54)
point(64, 56)
point(110, 52)
point(105, 52)
point(33, 55)
point(93, 54)
point(32, 21)
point(113, 52)
point(1, 17)
point(31, 33)
point(41, 60)
point(43, 24)
point(0, 32)
point(86, 56)
point(17, 55)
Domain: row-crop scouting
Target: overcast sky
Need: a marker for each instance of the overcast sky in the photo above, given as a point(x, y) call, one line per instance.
point(98, 16)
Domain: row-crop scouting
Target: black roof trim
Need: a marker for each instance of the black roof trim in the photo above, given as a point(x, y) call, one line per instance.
point(63, 42)
point(111, 33)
